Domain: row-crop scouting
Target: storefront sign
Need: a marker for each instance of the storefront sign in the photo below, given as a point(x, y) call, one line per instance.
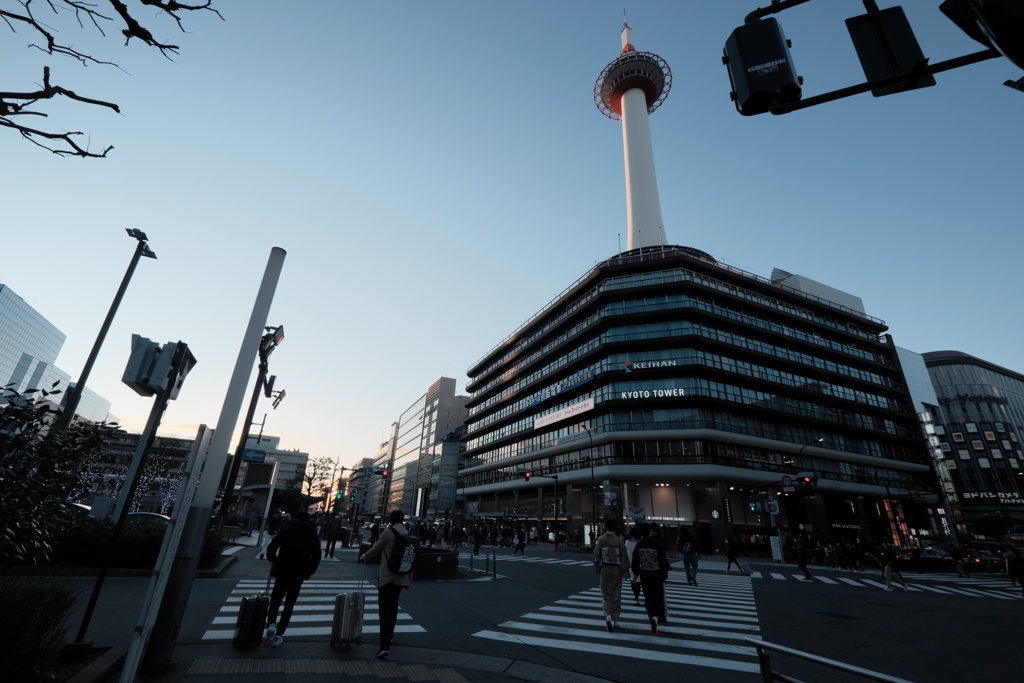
point(1011, 498)
point(776, 548)
point(564, 413)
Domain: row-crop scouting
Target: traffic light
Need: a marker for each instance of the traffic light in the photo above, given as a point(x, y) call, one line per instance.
point(552, 508)
point(352, 498)
point(526, 475)
point(561, 506)
point(807, 480)
point(382, 471)
point(993, 23)
point(753, 506)
point(338, 497)
point(513, 511)
point(271, 340)
point(760, 67)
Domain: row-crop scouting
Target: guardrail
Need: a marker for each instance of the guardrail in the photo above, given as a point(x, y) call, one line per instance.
point(767, 675)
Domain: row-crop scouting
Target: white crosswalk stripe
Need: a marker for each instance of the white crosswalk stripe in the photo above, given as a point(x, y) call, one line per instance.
point(706, 625)
point(1000, 590)
point(532, 559)
point(313, 613)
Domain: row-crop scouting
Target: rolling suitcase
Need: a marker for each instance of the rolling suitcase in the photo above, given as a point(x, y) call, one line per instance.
point(347, 625)
point(745, 569)
point(252, 619)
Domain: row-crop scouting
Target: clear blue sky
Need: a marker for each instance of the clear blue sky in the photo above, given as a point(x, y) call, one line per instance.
point(438, 172)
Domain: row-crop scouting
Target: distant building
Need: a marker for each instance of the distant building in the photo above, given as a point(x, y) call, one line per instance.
point(166, 463)
point(291, 464)
point(979, 427)
point(29, 345)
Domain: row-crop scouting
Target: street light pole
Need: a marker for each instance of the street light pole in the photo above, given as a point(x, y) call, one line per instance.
point(593, 482)
point(74, 394)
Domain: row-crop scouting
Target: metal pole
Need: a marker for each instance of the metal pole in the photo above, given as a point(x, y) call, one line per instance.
point(186, 563)
point(74, 394)
point(236, 462)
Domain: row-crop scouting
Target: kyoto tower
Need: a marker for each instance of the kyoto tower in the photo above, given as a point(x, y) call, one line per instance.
point(630, 88)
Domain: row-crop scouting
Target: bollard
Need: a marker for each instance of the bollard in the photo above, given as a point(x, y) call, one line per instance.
point(471, 562)
point(495, 565)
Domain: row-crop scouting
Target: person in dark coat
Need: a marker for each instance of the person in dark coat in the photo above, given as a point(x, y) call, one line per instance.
point(295, 554)
point(651, 564)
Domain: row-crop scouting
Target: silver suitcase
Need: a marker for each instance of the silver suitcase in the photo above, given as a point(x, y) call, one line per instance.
point(347, 627)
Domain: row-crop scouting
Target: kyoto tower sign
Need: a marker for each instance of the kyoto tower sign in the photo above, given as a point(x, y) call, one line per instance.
point(630, 88)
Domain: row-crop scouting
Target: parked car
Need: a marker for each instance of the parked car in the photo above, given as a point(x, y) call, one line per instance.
point(983, 561)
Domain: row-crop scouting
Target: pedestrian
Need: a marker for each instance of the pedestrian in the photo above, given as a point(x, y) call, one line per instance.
point(389, 583)
point(611, 563)
point(801, 551)
point(520, 543)
point(274, 523)
point(687, 547)
point(478, 539)
point(332, 529)
point(634, 578)
point(651, 563)
point(1017, 568)
point(888, 559)
point(295, 554)
point(958, 558)
point(733, 557)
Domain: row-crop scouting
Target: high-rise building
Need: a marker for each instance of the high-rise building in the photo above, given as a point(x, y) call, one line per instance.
point(29, 345)
point(666, 386)
point(979, 428)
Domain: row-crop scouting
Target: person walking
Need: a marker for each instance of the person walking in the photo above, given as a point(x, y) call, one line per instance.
point(295, 554)
point(888, 559)
point(687, 547)
point(520, 543)
point(1016, 569)
point(611, 563)
point(634, 578)
point(331, 530)
point(802, 553)
point(958, 559)
point(651, 563)
point(389, 583)
point(733, 556)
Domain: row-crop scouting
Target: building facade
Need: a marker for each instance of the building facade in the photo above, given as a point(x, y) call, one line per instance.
point(29, 345)
point(666, 386)
point(979, 422)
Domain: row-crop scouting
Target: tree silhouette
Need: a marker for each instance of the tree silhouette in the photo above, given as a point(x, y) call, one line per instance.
point(16, 107)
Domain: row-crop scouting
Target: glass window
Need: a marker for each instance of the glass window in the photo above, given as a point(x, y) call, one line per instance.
point(964, 454)
point(971, 427)
point(983, 462)
point(958, 436)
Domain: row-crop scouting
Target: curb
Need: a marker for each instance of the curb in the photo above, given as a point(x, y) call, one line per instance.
point(104, 668)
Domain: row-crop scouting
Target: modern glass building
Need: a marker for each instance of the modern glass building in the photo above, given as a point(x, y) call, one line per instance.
point(979, 423)
point(667, 386)
point(29, 345)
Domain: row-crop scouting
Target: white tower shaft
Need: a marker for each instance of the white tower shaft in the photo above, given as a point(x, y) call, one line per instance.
point(643, 205)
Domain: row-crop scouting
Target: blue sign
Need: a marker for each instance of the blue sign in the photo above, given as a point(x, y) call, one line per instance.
point(361, 486)
point(367, 471)
point(253, 455)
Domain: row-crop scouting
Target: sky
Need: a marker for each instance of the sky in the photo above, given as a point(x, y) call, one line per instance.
point(438, 172)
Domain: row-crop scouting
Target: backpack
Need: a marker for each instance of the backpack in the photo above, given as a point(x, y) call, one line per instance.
point(403, 554)
point(686, 548)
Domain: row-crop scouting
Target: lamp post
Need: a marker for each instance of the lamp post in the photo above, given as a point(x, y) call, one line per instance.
point(809, 443)
point(593, 482)
point(74, 394)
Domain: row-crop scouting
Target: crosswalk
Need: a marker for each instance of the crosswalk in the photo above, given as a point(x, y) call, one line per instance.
point(313, 613)
point(979, 589)
point(706, 625)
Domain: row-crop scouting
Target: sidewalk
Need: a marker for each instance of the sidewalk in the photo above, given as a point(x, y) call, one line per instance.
point(308, 662)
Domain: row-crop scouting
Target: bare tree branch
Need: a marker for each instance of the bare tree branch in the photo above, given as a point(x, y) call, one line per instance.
point(14, 104)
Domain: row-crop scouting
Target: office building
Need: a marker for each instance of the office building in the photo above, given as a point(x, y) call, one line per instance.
point(979, 422)
point(664, 385)
point(29, 345)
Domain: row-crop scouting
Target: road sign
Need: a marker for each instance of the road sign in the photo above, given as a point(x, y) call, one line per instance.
point(789, 489)
point(361, 486)
point(787, 481)
point(367, 471)
point(773, 507)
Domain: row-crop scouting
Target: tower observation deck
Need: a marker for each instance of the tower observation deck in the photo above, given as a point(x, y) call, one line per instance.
point(629, 89)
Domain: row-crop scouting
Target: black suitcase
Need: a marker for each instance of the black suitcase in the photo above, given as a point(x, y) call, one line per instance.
point(252, 619)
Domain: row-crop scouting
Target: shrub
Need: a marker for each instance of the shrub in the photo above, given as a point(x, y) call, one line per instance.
point(137, 548)
point(35, 621)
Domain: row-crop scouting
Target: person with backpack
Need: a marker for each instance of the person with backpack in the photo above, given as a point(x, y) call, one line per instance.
point(1016, 568)
point(612, 564)
point(651, 564)
point(397, 549)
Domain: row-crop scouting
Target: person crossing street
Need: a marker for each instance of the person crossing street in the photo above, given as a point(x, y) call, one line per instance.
point(612, 564)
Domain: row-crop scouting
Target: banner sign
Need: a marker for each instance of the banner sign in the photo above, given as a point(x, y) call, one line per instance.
point(564, 413)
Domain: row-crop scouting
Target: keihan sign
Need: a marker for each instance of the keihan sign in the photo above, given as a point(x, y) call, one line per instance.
point(645, 365)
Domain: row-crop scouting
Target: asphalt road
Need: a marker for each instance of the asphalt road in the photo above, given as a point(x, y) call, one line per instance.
point(545, 609)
